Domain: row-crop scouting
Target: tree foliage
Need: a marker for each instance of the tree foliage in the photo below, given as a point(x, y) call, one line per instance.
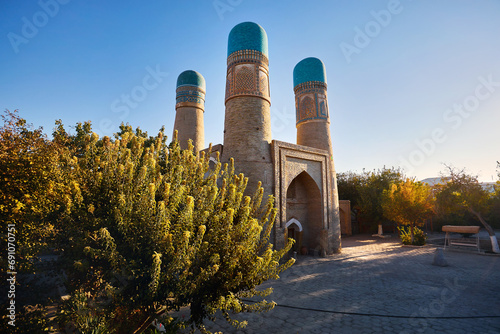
point(494, 214)
point(365, 190)
point(27, 164)
point(371, 194)
point(408, 203)
point(142, 227)
point(463, 193)
point(349, 185)
point(150, 228)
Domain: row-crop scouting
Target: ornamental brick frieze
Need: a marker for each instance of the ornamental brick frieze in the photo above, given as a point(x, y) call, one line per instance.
point(190, 96)
point(311, 101)
point(247, 75)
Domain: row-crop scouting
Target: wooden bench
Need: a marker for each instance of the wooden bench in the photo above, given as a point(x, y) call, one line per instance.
point(462, 241)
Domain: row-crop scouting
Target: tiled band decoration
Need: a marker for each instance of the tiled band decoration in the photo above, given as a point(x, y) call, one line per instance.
point(247, 75)
point(310, 101)
point(190, 96)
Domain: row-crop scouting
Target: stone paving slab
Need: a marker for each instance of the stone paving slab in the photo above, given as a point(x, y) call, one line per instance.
point(398, 286)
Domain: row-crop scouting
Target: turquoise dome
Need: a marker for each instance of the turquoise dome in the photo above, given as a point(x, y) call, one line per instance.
point(191, 78)
point(309, 69)
point(247, 36)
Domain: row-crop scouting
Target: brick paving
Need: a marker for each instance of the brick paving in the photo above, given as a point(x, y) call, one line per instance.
point(398, 286)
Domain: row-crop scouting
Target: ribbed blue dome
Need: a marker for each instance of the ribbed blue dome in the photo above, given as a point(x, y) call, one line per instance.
point(191, 78)
point(309, 69)
point(247, 36)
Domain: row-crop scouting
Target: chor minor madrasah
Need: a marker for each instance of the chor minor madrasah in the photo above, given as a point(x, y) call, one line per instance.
point(301, 176)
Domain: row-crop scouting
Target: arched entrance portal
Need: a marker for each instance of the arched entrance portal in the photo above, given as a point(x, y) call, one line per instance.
point(304, 205)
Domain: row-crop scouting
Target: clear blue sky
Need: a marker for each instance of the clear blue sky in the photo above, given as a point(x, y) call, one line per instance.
point(410, 83)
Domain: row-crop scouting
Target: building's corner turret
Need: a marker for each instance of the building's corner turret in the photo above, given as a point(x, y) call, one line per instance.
point(313, 125)
point(311, 104)
point(247, 124)
point(190, 106)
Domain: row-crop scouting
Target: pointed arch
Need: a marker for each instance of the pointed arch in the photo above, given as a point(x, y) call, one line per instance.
point(294, 221)
point(304, 206)
point(306, 175)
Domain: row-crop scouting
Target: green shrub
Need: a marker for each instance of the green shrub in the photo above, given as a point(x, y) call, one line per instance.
point(419, 237)
point(81, 312)
point(149, 228)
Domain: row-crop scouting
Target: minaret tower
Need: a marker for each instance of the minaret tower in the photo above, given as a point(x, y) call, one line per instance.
point(313, 121)
point(190, 106)
point(247, 125)
point(311, 105)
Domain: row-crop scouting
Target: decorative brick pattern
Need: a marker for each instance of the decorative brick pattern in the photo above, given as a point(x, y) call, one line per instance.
point(247, 56)
point(247, 75)
point(264, 83)
point(323, 109)
point(311, 101)
point(229, 82)
point(245, 80)
point(307, 108)
point(190, 96)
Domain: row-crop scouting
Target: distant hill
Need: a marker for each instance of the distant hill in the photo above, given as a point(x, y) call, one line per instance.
point(489, 186)
point(432, 181)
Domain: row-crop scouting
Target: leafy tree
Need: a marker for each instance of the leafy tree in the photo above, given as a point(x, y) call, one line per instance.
point(371, 193)
point(365, 189)
point(27, 163)
point(28, 201)
point(349, 185)
point(463, 192)
point(148, 228)
point(408, 203)
point(494, 215)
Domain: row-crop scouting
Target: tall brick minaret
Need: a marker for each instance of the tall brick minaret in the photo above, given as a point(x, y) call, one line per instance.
point(311, 104)
point(247, 125)
point(190, 106)
point(313, 119)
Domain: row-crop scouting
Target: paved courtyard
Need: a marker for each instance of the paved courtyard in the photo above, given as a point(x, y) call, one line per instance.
point(377, 286)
